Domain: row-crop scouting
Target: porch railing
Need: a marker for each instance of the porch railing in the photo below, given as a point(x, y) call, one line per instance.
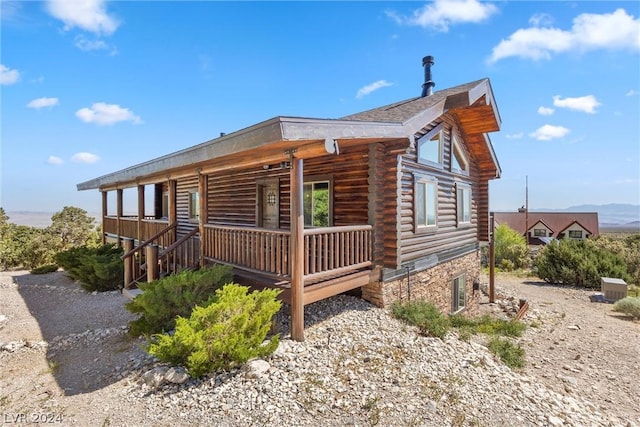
point(329, 250)
point(183, 254)
point(129, 228)
point(260, 249)
point(135, 259)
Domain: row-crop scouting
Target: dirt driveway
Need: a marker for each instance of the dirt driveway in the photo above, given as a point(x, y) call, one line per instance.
point(579, 347)
point(65, 357)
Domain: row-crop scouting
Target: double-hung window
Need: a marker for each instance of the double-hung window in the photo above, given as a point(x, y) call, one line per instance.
point(425, 203)
point(463, 203)
point(317, 203)
point(575, 234)
point(194, 206)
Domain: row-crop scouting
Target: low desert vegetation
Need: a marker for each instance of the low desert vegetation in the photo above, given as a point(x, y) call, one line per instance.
point(163, 300)
point(431, 322)
point(629, 306)
point(224, 334)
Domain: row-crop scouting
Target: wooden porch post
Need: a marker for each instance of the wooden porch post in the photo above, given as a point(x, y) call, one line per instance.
point(119, 213)
point(127, 245)
point(141, 210)
point(203, 212)
point(173, 209)
point(105, 211)
point(297, 250)
point(151, 252)
point(492, 259)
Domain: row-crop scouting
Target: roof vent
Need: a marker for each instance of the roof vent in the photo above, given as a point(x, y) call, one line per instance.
point(428, 84)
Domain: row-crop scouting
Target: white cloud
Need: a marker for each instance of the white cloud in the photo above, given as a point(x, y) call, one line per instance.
point(586, 104)
point(87, 45)
point(545, 111)
point(88, 15)
point(549, 132)
point(441, 14)
point(8, 76)
point(518, 135)
point(84, 157)
point(541, 20)
point(632, 92)
point(366, 90)
point(42, 103)
point(616, 30)
point(54, 160)
point(107, 114)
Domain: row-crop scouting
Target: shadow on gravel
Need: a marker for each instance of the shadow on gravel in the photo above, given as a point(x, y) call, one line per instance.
point(87, 346)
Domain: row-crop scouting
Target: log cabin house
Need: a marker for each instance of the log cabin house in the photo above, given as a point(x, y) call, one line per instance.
point(540, 228)
point(394, 201)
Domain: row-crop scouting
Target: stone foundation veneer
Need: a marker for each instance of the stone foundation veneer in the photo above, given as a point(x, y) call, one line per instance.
point(434, 284)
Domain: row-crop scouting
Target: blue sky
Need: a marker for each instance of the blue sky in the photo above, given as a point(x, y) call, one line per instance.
point(92, 87)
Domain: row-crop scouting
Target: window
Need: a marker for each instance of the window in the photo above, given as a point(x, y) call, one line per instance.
point(426, 202)
point(575, 234)
point(459, 162)
point(463, 203)
point(165, 205)
point(316, 202)
point(194, 206)
point(459, 293)
point(430, 146)
point(539, 232)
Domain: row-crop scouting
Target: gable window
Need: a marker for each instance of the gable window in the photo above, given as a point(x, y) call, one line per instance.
point(426, 202)
point(459, 162)
point(430, 146)
point(463, 203)
point(459, 294)
point(316, 202)
point(539, 232)
point(575, 234)
point(194, 206)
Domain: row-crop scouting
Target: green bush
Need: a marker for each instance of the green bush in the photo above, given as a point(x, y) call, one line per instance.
point(579, 263)
point(629, 306)
point(96, 268)
point(424, 315)
point(511, 354)
point(44, 269)
point(163, 300)
point(222, 335)
point(511, 251)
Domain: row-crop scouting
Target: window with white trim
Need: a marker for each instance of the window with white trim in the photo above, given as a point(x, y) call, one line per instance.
point(459, 294)
point(194, 205)
point(316, 197)
point(425, 202)
point(430, 146)
point(459, 162)
point(539, 232)
point(463, 203)
point(575, 234)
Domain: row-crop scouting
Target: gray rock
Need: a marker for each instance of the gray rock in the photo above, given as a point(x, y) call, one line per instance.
point(257, 368)
point(176, 375)
point(155, 377)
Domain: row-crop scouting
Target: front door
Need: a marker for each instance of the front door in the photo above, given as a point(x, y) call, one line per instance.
point(270, 205)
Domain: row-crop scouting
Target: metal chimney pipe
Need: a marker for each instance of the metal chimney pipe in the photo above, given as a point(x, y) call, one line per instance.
point(428, 84)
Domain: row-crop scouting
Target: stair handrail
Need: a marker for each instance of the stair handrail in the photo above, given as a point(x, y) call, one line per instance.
point(178, 242)
point(149, 241)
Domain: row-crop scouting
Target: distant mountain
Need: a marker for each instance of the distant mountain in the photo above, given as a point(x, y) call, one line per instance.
point(38, 219)
point(611, 214)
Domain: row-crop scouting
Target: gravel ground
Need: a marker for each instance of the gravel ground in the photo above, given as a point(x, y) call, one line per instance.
point(65, 358)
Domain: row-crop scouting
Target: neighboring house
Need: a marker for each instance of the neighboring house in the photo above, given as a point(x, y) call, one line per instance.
point(318, 207)
point(542, 227)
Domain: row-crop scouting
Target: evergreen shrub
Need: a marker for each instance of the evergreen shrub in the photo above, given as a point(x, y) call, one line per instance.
point(163, 300)
point(579, 263)
point(96, 268)
point(424, 315)
point(44, 269)
point(224, 334)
